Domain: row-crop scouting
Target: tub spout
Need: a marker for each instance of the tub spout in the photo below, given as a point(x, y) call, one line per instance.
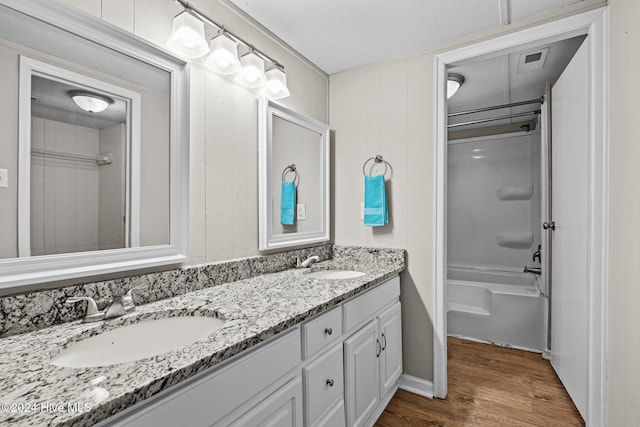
point(534, 270)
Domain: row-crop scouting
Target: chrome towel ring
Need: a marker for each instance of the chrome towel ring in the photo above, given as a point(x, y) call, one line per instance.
point(290, 168)
point(377, 159)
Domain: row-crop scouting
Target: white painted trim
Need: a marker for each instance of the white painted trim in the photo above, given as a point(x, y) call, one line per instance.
point(267, 240)
point(440, 241)
point(18, 272)
point(416, 385)
point(594, 23)
point(599, 221)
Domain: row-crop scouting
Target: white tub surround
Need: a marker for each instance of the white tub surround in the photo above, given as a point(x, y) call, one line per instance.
point(253, 311)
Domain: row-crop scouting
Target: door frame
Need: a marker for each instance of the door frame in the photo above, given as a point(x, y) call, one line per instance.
point(595, 24)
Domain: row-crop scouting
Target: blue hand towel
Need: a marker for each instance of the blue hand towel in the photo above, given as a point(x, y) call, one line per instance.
point(288, 203)
point(376, 213)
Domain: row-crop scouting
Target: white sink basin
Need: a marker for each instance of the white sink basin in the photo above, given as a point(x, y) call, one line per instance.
point(138, 341)
point(335, 274)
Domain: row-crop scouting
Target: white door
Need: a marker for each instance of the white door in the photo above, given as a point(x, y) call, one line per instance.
point(391, 342)
point(570, 203)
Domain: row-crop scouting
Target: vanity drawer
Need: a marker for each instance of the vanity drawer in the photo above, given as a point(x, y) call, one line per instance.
point(321, 331)
point(323, 383)
point(365, 306)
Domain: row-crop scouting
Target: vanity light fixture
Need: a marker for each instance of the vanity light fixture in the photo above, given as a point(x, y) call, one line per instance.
point(252, 73)
point(454, 81)
point(223, 55)
point(89, 101)
point(276, 86)
point(187, 38)
point(187, 35)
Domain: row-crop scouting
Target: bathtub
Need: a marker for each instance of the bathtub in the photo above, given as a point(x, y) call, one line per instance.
point(500, 307)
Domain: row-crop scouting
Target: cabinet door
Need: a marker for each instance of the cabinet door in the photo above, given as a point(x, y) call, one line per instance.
point(282, 409)
point(391, 340)
point(362, 380)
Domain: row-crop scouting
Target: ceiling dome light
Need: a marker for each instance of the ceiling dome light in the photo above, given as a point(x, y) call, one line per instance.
point(276, 87)
point(223, 57)
point(252, 73)
point(454, 81)
point(187, 36)
point(91, 102)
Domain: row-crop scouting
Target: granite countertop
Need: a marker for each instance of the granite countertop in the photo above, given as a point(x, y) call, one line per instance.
point(253, 310)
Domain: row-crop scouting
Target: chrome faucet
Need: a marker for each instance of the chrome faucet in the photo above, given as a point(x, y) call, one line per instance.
point(538, 254)
point(307, 262)
point(118, 307)
point(534, 270)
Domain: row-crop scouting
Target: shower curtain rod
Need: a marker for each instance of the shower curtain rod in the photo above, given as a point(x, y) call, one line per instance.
point(497, 107)
point(473, 122)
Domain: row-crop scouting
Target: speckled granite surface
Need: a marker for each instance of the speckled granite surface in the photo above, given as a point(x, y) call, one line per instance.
point(36, 310)
point(254, 309)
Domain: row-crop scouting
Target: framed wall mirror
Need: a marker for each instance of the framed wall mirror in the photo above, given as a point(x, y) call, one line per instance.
point(294, 178)
point(95, 143)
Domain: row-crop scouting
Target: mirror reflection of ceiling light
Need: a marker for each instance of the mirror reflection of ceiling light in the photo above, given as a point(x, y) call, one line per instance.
point(454, 81)
point(90, 102)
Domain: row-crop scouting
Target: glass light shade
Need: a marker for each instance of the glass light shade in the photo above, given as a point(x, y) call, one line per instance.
point(223, 57)
point(90, 102)
point(187, 36)
point(252, 73)
point(454, 81)
point(276, 87)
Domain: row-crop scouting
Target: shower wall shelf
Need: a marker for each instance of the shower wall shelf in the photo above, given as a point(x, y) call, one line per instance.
point(101, 159)
point(514, 193)
point(515, 240)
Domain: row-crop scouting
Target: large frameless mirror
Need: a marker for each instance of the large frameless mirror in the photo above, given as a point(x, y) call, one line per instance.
point(294, 178)
point(95, 144)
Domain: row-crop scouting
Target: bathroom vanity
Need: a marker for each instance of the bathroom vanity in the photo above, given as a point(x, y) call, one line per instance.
point(292, 348)
point(346, 359)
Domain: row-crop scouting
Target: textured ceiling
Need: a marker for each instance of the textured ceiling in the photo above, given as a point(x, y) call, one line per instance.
point(338, 35)
point(497, 81)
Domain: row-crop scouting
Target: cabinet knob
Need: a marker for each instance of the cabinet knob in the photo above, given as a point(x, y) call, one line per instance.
point(384, 340)
point(328, 331)
point(330, 382)
point(379, 348)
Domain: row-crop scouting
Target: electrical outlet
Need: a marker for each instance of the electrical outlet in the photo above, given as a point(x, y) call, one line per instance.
point(301, 213)
point(3, 178)
point(361, 211)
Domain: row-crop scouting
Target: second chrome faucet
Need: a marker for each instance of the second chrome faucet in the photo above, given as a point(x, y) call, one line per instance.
point(118, 307)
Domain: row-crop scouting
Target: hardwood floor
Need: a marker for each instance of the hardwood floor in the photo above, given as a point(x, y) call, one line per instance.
point(488, 386)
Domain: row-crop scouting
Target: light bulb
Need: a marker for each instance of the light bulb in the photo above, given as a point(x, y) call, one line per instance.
point(252, 73)
point(223, 57)
point(187, 36)
point(276, 87)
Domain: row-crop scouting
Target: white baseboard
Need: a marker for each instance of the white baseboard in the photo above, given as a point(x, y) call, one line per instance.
point(416, 385)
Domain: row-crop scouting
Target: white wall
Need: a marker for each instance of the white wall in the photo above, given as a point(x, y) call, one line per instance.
point(623, 390)
point(388, 108)
point(112, 194)
point(223, 123)
point(64, 194)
